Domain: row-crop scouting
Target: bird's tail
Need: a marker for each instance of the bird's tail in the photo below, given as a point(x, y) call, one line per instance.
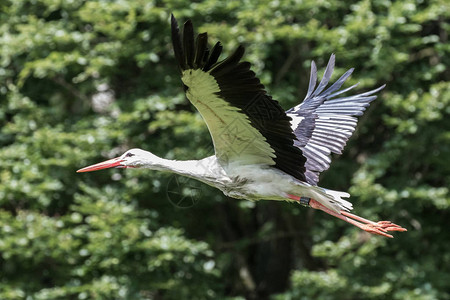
point(328, 198)
point(335, 197)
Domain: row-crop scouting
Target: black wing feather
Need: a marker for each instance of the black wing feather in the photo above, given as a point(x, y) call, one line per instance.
point(176, 42)
point(202, 45)
point(212, 59)
point(188, 43)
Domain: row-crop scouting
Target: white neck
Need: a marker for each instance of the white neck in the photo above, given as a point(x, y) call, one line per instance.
point(207, 170)
point(181, 167)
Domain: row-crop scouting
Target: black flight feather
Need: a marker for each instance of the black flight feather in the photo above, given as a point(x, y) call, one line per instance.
point(188, 43)
point(201, 53)
point(215, 53)
point(177, 48)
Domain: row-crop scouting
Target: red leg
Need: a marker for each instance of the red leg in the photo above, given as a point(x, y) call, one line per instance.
point(379, 228)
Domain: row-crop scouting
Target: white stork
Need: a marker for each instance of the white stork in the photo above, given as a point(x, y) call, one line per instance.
point(261, 151)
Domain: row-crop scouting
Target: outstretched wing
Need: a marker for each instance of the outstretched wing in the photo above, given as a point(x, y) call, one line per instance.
point(323, 123)
point(247, 126)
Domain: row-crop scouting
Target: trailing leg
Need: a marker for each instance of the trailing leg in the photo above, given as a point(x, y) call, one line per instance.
point(380, 228)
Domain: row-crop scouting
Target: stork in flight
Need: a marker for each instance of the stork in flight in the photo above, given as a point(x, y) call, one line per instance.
point(261, 151)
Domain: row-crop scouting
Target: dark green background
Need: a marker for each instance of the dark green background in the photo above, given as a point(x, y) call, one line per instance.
point(82, 81)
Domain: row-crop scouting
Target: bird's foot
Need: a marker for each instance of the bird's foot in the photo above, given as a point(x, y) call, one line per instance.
point(380, 227)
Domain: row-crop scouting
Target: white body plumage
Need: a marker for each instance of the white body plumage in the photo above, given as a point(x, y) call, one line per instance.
point(238, 180)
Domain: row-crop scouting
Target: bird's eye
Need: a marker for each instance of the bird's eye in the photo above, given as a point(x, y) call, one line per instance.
point(129, 154)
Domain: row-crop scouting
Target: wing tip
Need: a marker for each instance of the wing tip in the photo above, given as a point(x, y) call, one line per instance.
point(189, 24)
point(332, 59)
point(312, 80)
point(173, 23)
point(326, 75)
point(330, 67)
point(313, 66)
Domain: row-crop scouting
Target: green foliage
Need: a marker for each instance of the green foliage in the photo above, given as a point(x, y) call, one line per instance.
point(81, 81)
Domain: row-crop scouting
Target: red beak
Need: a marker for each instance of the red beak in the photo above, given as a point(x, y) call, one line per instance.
point(115, 162)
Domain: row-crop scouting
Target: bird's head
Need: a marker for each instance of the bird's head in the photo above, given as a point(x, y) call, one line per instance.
point(133, 158)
